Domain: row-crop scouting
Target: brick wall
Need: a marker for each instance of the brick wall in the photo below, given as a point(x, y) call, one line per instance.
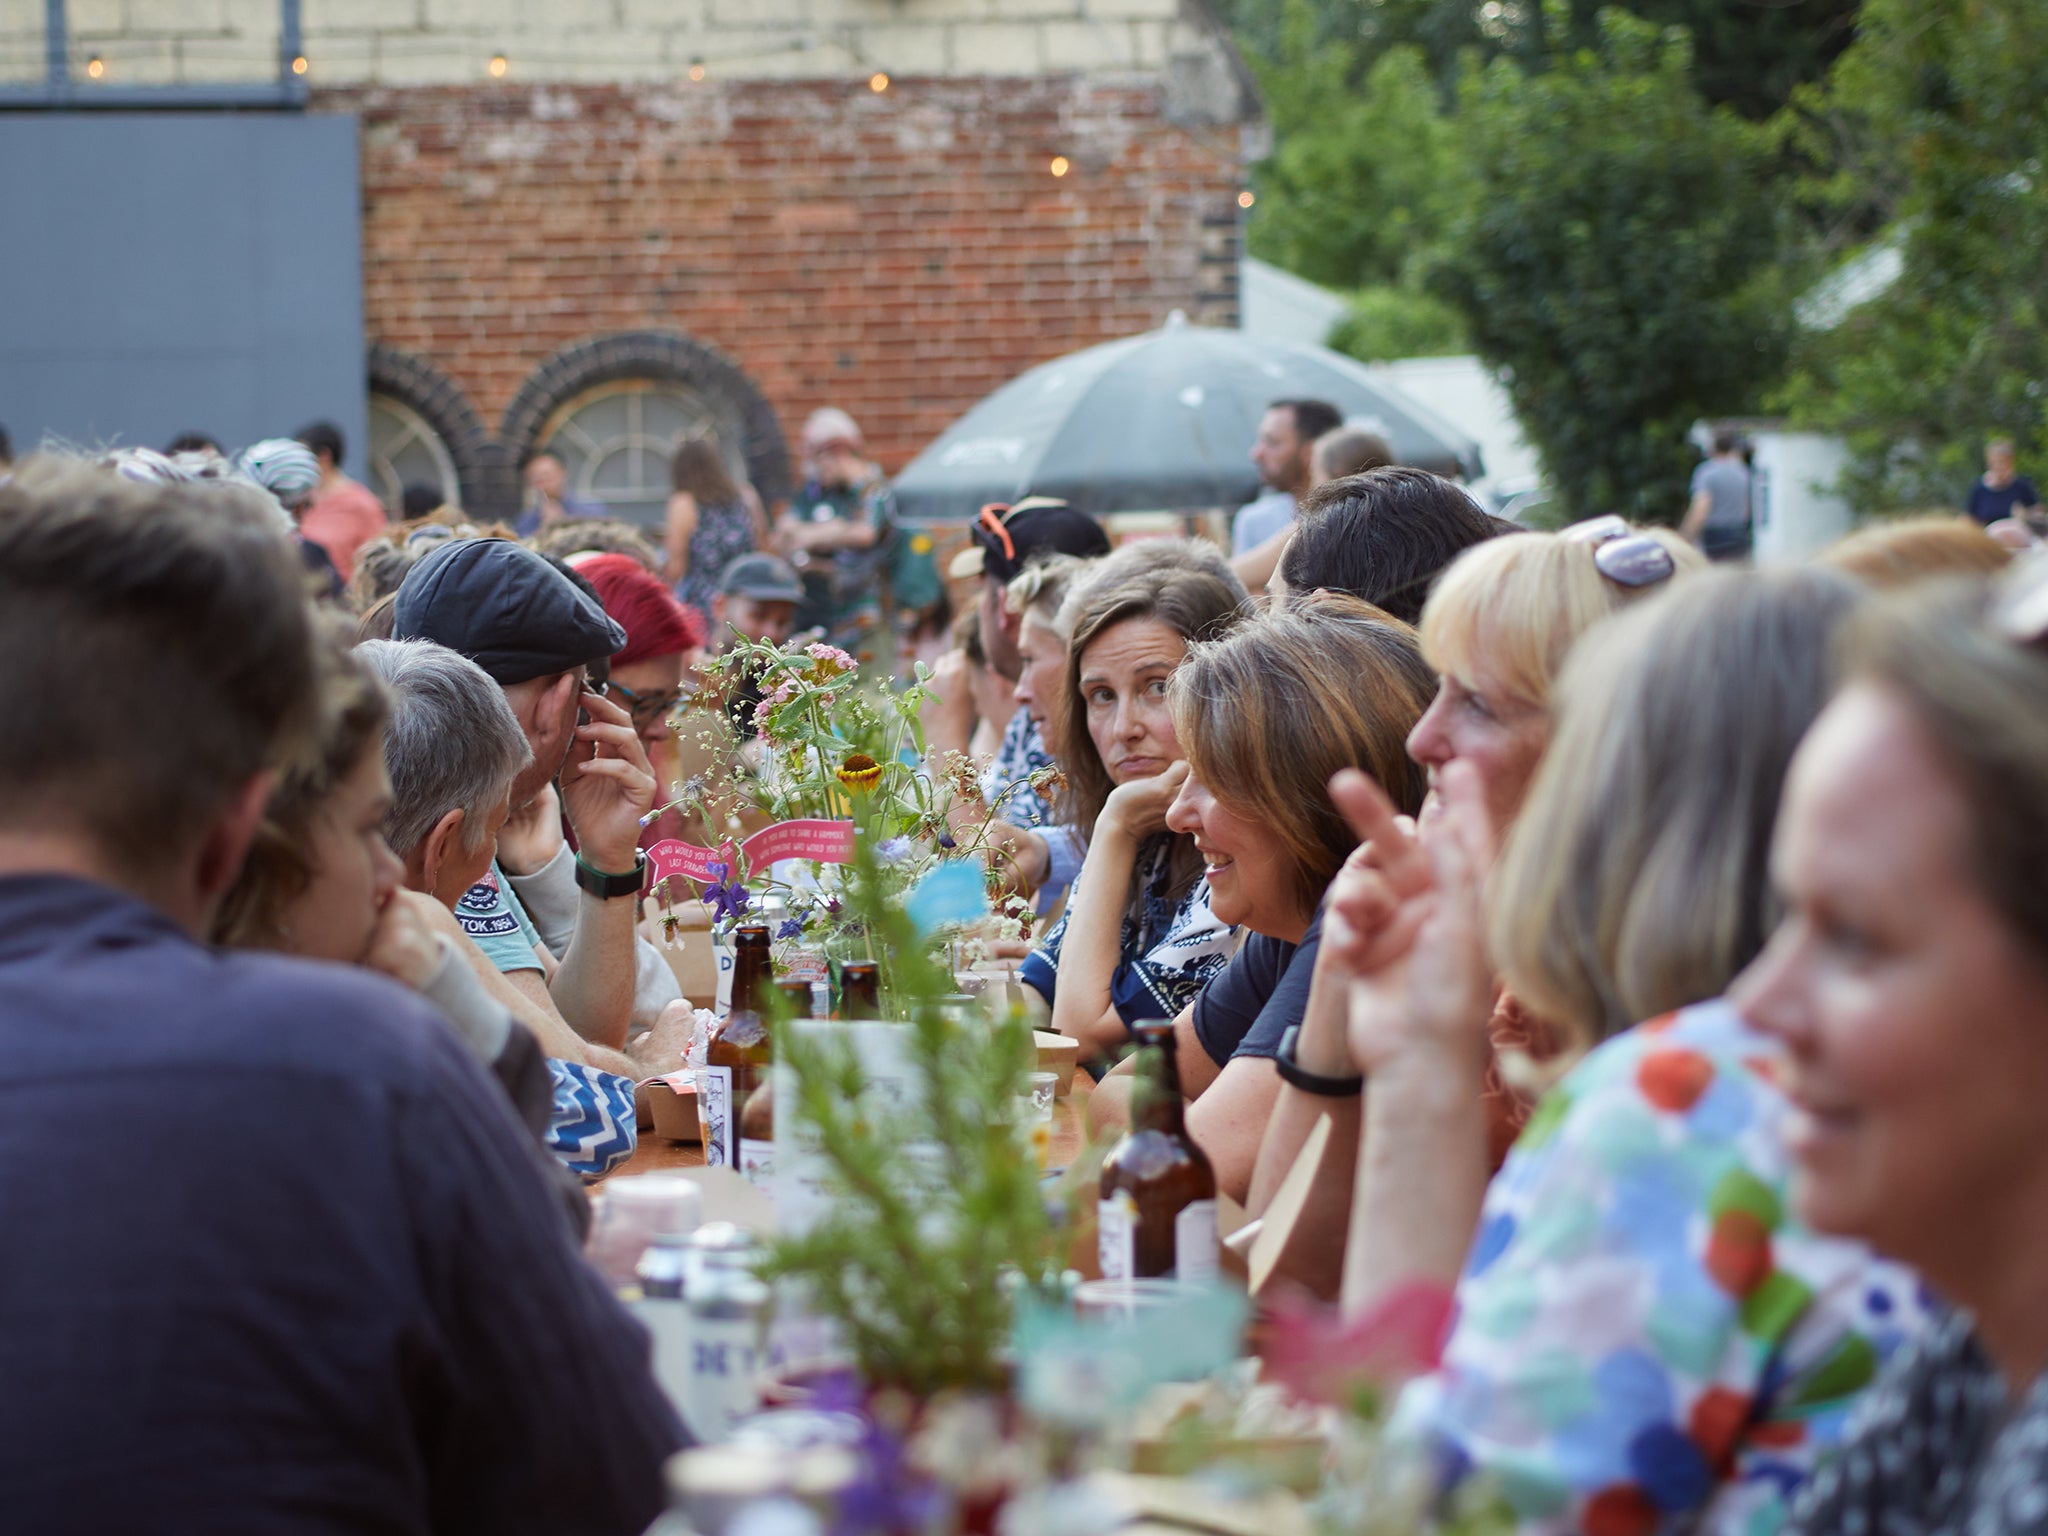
point(898, 254)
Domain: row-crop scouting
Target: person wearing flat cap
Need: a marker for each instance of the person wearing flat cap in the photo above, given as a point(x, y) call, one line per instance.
point(1045, 855)
point(545, 639)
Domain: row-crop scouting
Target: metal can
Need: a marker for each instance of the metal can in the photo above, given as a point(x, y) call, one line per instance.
point(728, 1306)
point(662, 1266)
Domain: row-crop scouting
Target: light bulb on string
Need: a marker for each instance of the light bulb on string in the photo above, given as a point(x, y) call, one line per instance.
point(1245, 199)
point(498, 66)
point(95, 67)
point(1060, 165)
point(878, 82)
point(299, 64)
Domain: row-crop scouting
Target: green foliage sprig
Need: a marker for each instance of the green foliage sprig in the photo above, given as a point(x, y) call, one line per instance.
point(937, 1210)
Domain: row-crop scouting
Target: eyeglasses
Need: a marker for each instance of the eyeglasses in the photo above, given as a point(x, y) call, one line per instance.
point(991, 518)
point(649, 707)
point(1626, 558)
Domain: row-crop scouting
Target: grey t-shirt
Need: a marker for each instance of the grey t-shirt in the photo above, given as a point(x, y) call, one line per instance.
point(1727, 481)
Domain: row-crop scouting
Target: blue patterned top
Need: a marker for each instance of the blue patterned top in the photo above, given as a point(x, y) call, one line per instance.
point(1648, 1340)
point(1168, 952)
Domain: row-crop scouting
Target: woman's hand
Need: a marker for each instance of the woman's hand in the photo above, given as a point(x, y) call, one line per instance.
point(1436, 993)
point(406, 945)
point(1138, 809)
point(532, 835)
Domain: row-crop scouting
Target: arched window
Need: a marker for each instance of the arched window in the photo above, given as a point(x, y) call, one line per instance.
point(615, 407)
point(406, 450)
point(618, 438)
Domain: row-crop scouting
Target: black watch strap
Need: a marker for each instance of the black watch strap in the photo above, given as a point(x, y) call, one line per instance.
point(1312, 1082)
point(605, 886)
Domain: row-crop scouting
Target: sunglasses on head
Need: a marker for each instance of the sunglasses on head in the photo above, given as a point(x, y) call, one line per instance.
point(1624, 557)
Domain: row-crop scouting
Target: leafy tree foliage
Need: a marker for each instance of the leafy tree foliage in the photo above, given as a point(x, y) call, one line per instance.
point(1390, 322)
point(1613, 254)
point(1360, 180)
point(1938, 117)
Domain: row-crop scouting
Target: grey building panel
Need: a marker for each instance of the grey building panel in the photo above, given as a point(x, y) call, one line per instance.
point(170, 271)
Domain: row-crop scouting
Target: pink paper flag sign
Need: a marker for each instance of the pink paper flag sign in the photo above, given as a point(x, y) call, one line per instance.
point(693, 861)
point(829, 842)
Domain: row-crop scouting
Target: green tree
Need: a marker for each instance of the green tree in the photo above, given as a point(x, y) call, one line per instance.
point(1362, 178)
point(1614, 254)
point(1389, 322)
point(1939, 117)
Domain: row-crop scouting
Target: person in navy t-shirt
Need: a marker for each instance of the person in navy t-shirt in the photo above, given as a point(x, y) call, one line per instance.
point(282, 1257)
point(2001, 492)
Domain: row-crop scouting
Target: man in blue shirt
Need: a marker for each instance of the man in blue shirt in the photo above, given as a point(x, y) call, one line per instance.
point(281, 1257)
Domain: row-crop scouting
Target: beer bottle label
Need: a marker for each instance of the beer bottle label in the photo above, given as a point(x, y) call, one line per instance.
point(757, 1162)
point(1116, 1236)
point(714, 1114)
point(1194, 1241)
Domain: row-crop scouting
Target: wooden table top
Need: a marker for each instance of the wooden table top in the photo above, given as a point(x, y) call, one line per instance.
point(1069, 1136)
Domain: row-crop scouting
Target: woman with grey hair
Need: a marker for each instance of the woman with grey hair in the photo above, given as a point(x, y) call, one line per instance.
point(453, 747)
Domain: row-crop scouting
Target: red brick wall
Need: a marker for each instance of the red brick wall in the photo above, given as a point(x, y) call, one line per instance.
point(898, 255)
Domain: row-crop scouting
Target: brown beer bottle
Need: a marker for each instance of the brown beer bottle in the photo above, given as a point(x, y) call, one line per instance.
point(860, 990)
point(1157, 1216)
point(736, 1060)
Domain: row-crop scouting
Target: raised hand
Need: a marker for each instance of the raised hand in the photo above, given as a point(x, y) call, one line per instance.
point(532, 835)
point(607, 786)
point(1438, 994)
point(1138, 808)
point(406, 945)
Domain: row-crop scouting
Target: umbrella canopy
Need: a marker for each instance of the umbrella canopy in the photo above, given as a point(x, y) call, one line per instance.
point(1163, 421)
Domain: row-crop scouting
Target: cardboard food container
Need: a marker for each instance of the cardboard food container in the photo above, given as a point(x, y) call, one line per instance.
point(1058, 1053)
point(667, 1106)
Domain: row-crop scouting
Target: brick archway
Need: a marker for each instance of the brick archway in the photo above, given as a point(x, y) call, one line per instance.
point(487, 488)
point(665, 356)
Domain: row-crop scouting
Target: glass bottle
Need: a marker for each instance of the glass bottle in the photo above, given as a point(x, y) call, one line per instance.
point(736, 1060)
point(860, 990)
point(1157, 1212)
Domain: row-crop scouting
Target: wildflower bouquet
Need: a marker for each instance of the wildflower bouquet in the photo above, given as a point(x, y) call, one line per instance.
point(834, 747)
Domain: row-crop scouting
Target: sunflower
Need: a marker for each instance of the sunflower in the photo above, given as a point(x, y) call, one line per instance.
point(860, 773)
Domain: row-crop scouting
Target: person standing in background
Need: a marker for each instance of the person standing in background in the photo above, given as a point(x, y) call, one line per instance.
point(1718, 517)
point(2001, 491)
point(548, 500)
point(1287, 436)
point(712, 521)
point(345, 514)
point(835, 533)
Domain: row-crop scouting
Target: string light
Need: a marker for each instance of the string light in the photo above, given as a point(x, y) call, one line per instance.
point(1245, 199)
point(878, 82)
point(299, 65)
point(498, 65)
point(95, 67)
point(696, 71)
point(1060, 165)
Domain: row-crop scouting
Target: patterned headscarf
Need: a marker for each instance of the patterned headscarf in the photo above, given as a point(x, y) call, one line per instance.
point(283, 467)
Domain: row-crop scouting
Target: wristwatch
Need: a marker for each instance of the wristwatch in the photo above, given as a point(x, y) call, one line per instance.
point(1293, 1072)
point(606, 886)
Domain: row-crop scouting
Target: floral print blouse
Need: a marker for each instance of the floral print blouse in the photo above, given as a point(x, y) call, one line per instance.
point(1647, 1340)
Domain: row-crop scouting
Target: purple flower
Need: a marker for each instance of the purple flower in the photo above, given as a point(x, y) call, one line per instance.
point(946, 842)
point(728, 897)
point(790, 928)
point(894, 851)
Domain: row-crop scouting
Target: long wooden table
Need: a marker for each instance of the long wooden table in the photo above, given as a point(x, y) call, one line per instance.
point(1069, 1136)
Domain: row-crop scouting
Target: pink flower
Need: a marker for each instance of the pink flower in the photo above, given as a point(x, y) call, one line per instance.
point(1320, 1358)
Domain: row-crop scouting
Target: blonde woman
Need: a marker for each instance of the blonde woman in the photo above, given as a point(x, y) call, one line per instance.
point(1908, 985)
point(1497, 628)
point(1138, 939)
point(1646, 1336)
